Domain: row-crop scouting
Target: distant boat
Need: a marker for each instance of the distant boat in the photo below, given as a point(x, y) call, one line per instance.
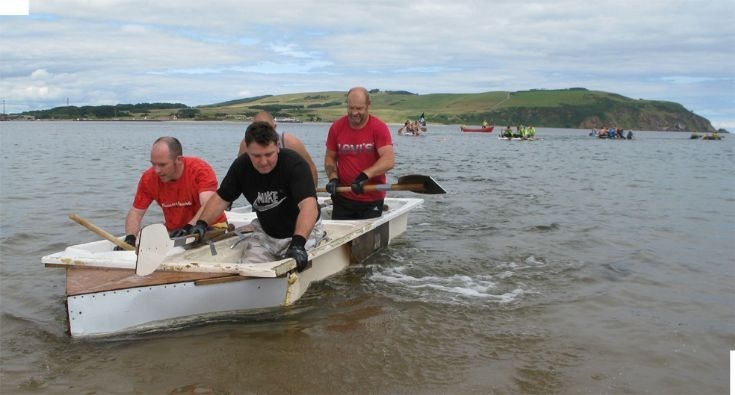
point(287, 120)
point(713, 136)
point(411, 134)
point(520, 138)
point(413, 128)
point(488, 129)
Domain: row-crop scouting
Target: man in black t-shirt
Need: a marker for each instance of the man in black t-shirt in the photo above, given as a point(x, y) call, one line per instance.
point(278, 184)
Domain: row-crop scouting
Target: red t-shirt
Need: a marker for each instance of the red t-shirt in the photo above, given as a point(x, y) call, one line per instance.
point(178, 199)
point(357, 149)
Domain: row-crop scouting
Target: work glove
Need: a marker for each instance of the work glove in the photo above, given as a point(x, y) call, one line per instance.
point(297, 251)
point(332, 186)
point(358, 186)
point(130, 239)
point(182, 231)
point(200, 229)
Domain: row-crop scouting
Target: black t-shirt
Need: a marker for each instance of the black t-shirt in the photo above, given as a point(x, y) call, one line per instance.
point(274, 196)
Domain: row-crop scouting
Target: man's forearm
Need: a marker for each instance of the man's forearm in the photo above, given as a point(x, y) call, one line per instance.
point(308, 214)
point(381, 166)
point(330, 166)
point(133, 221)
point(212, 208)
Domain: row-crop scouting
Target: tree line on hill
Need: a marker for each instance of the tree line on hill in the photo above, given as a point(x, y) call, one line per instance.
point(110, 111)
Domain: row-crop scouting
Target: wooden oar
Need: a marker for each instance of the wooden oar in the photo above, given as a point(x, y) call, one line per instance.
point(94, 228)
point(414, 183)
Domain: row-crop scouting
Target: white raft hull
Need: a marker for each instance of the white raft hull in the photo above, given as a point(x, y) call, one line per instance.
point(113, 301)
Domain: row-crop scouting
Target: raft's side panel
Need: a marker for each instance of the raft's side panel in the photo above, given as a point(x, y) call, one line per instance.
point(104, 313)
point(397, 226)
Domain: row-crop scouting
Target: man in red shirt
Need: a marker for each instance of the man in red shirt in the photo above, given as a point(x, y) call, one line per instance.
point(181, 185)
point(359, 153)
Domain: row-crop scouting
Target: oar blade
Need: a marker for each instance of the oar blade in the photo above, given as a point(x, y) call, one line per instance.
point(153, 245)
point(429, 186)
point(415, 183)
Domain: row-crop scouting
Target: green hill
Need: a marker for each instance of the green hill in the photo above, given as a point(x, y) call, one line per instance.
point(563, 108)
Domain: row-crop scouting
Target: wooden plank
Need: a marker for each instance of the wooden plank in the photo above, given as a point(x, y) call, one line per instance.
point(220, 280)
point(264, 269)
point(67, 265)
point(366, 244)
point(82, 280)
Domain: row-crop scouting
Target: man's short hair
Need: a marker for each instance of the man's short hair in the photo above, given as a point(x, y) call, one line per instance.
point(174, 146)
point(262, 133)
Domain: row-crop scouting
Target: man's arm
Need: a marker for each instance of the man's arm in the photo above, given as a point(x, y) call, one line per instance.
point(308, 214)
point(204, 197)
point(330, 164)
point(210, 211)
point(133, 221)
point(295, 144)
point(385, 162)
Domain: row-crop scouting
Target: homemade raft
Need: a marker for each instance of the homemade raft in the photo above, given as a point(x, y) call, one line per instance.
point(105, 296)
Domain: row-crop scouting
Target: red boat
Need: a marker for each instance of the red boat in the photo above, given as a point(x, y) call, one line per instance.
point(488, 129)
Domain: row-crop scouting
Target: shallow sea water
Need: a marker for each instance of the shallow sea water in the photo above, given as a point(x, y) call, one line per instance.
point(565, 265)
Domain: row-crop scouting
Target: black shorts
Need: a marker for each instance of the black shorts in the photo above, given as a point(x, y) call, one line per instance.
point(343, 208)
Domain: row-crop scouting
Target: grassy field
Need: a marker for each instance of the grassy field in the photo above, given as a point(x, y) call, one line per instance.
point(564, 108)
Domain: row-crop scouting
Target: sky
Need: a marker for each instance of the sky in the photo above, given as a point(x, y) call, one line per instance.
point(203, 52)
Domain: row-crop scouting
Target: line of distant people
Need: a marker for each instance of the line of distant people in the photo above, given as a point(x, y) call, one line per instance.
point(522, 131)
point(277, 176)
point(611, 133)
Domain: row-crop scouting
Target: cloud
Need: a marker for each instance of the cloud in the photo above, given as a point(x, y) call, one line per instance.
point(687, 80)
point(291, 50)
point(36, 91)
point(136, 51)
point(40, 74)
point(134, 28)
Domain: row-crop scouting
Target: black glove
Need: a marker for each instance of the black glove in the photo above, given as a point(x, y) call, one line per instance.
point(182, 231)
point(332, 186)
point(200, 229)
point(359, 184)
point(130, 239)
point(297, 251)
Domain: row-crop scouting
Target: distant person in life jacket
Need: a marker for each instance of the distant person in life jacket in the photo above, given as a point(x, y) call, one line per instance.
point(359, 153)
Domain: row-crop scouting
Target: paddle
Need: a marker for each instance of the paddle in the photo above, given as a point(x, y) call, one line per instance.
point(94, 228)
point(414, 183)
point(154, 245)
